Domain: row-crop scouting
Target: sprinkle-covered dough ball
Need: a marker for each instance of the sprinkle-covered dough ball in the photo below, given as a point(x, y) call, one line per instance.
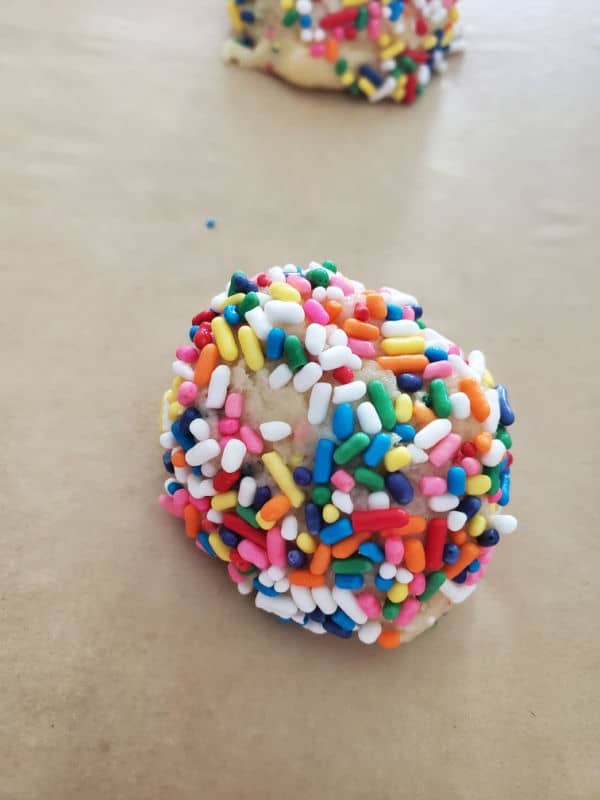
point(347, 463)
point(378, 49)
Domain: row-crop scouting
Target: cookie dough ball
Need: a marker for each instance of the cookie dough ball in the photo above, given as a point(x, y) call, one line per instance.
point(378, 49)
point(348, 464)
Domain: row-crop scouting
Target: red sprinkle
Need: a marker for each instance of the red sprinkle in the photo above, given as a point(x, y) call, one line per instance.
point(350, 34)
point(342, 17)
point(468, 450)
point(203, 316)
point(223, 481)
point(263, 280)
point(202, 338)
point(421, 26)
point(419, 56)
point(411, 88)
point(242, 528)
point(238, 561)
point(343, 374)
point(434, 544)
point(379, 519)
point(361, 312)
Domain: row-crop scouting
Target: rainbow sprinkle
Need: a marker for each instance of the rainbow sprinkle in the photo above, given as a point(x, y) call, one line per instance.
point(348, 463)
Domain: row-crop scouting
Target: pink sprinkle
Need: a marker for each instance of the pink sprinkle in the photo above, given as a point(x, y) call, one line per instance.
point(410, 608)
point(454, 350)
point(181, 498)
point(361, 348)
point(187, 353)
point(485, 555)
point(374, 28)
point(251, 552)
point(394, 549)
point(234, 574)
point(229, 426)
point(201, 503)
point(369, 604)
point(302, 431)
point(417, 585)
point(471, 466)
point(407, 312)
point(493, 498)
point(166, 502)
point(374, 10)
point(338, 33)
point(343, 481)
point(299, 283)
point(473, 578)
point(445, 450)
point(234, 405)
point(251, 439)
point(315, 312)
point(317, 50)
point(431, 485)
point(268, 33)
point(337, 280)
point(200, 546)
point(276, 548)
point(437, 369)
point(187, 392)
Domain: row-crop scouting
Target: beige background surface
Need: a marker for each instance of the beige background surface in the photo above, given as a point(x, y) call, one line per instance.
point(128, 666)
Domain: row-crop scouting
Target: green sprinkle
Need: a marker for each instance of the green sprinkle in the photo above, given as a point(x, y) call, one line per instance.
point(294, 353)
point(248, 571)
point(354, 89)
point(355, 565)
point(330, 265)
point(248, 514)
point(290, 17)
point(232, 290)
point(383, 404)
point(341, 65)
point(351, 447)
point(391, 610)
point(421, 324)
point(504, 436)
point(369, 478)
point(407, 64)
point(420, 89)
point(397, 72)
point(318, 277)
point(361, 20)
point(249, 302)
point(493, 474)
point(434, 581)
point(440, 402)
point(321, 495)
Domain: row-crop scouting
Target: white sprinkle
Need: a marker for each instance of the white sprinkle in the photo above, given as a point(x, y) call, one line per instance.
point(247, 491)
point(443, 502)
point(432, 433)
point(461, 405)
point(282, 585)
point(289, 528)
point(210, 469)
point(233, 455)
point(423, 75)
point(324, 599)
point(343, 501)
point(400, 327)
point(311, 625)
point(301, 595)
point(184, 370)
point(214, 516)
point(462, 369)
point(349, 392)
point(276, 573)
point(282, 605)
point(266, 579)
point(503, 523)
point(182, 474)
point(277, 275)
point(245, 587)
point(334, 357)
point(369, 632)
point(216, 303)
point(378, 500)
point(476, 361)
point(306, 377)
point(200, 429)
point(491, 422)
point(200, 487)
point(368, 418)
point(319, 293)
point(280, 312)
point(167, 440)
point(401, 298)
point(403, 575)
point(387, 571)
point(335, 293)
point(336, 337)
point(456, 520)
point(257, 319)
point(280, 376)
point(318, 404)
point(456, 592)
point(494, 455)
point(314, 340)
point(355, 362)
point(275, 431)
point(347, 601)
point(202, 452)
point(217, 388)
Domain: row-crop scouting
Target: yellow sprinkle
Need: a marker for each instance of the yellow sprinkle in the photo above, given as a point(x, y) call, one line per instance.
point(287, 4)
point(176, 383)
point(396, 458)
point(224, 339)
point(223, 501)
point(366, 86)
point(398, 592)
point(384, 40)
point(266, 526)
point(306, 542)
point(170, 396)
point(233, 300)
point(175, 410)
point(453, 14)
point(236, 20)
point(404, 407)
point(348, 3)
point(251, 348)
point(285, 292)
point(393, 50)
point(477, 525)
point(283, 478)
point(403, 345)
point(429, 42)
point(221, 549)
point(330, 513)
point(347, 78)
point(447, 38)
point(478, 484)
point(488, 380)
point(399, 91)
point(296, 460)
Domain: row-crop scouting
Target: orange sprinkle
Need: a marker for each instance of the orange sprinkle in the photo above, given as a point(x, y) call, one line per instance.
point(178, 458)
point(302, 577)
point(389, 639)
point(403, 363)
point(415, 524)
point(207, 361)
point(422, 415)
point(414, 555)
point(483, 441)
point(320, 560)
point(192, 519)
point(376, 305)
point(349, 545)
point(480, 408)
point(333, 308)
point(275, 508)
point(361, 330)
point(468, 552)
point(331, 50)
point(458, 537)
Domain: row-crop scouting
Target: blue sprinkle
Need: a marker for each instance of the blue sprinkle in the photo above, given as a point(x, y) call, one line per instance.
point(270, 591)
point(451, 553)
point(349, 581)
point(317, 615)
point(399, 487)
point(474, 566)
point(505, 487)
point(296, 558)
point(456, 480)
point(193, 330)
point(383, 584)
point(409, 382)
point(373, 551)
point(174, 487)
point(210, 222)
point(393, 312)
point(418, 311)
point(231, 315)
point(375, 452)
point(405, 432)
point(371, 75)
point(469, 505)
point(343, 620)
point(312, 516)
point(343, 421)
point(331, 534)
point(332, 627)
point(263, 493)
point(166, 457)
point(197, 470)
point(247, 16)
point(507, 416)
point(436, 354)
point(323, 461)
point(461, 577)
point(228, 537)
point(203, 539)
point(302, 476)
point(489, 538)
point(285, 620)
point(275, 342)
point(185, 440)
point(305, 21)
point(240, 283)
point(185, 420)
